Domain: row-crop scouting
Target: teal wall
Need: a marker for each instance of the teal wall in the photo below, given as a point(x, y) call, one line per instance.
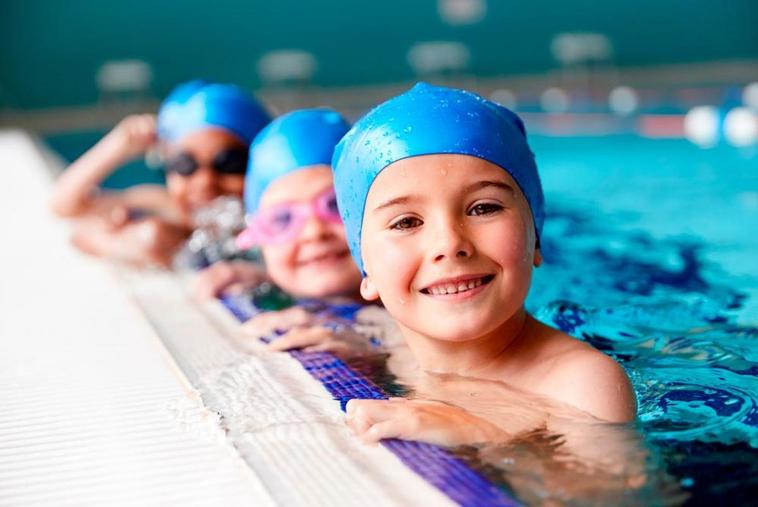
point(50, 49)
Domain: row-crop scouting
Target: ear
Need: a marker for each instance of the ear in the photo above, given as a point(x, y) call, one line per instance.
point(368, 290)
point(537, 258)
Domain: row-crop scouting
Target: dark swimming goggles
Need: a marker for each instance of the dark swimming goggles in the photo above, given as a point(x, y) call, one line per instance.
point(232, 161)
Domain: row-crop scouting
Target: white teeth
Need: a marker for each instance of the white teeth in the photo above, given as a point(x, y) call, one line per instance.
point(441, 290)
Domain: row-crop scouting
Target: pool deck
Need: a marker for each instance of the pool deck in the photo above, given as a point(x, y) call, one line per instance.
point(117, 388)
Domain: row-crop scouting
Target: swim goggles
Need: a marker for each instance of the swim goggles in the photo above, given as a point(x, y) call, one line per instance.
point(284, 222)
point(229, 161)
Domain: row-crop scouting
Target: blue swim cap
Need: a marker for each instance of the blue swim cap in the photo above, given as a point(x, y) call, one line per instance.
point(428, 120)
point(293, 141)
point(199, 104)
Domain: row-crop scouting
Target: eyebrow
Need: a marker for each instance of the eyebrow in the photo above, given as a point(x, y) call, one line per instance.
point(489, 183)
point(394, 202)
point(405, 199)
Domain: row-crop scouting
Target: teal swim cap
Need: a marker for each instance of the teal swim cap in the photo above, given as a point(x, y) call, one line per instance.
point(428, 120)
point(198, 104)
point(293, 141)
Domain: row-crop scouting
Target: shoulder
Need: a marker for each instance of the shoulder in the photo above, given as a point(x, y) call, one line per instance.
point(593, 382)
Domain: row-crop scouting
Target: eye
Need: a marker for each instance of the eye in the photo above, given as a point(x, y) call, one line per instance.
point(183, 164)
point(406, 223)
point(484, 209)
point(331, 204)
point(281, 219)
point(231, 161)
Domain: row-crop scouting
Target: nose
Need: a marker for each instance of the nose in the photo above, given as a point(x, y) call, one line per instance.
point(204, 180)
point(315, 229)
point(451, 242)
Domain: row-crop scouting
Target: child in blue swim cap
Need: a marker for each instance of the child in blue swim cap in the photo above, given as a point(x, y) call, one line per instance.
point(443, 209)
point(202, 131)
point(293, 219)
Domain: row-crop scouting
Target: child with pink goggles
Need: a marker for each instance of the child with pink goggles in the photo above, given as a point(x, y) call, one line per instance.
point(292, 213)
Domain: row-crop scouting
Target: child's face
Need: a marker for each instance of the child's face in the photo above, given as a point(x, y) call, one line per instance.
point(448, 244)
point(317, 262)
point(192, 191)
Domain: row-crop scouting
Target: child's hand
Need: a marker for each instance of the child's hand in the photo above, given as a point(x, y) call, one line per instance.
point(228, 277)
point(150, 241)
point(134, 135)
point(153, 240)
point(307, 332)
point(266, 323)
point(344, 343)
point(426, 421)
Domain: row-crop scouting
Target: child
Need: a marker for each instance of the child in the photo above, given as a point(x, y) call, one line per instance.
point(203, 130)
point(293, 219)
point(443, 210)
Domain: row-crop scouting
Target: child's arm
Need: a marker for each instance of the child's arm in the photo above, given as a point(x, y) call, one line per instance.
point(75, 190)
point(228, 276)
point(151, 241)
point(427, 421)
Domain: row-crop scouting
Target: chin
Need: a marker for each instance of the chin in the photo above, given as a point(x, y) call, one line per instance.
point(459, 328)
point(325, 288)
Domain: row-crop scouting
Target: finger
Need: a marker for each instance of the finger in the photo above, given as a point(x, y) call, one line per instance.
point(334, 347)
point(211, 281)
point(265, 323)
point(296, 316)
point(258, 327)
point(298, 338)
point(358, 425)
point(390, 428)
point(233, 289)
point(372, 410)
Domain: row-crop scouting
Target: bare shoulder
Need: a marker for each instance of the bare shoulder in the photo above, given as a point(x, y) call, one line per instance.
point(584, 377)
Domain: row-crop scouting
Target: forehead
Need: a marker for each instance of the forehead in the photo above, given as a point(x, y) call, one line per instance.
point(301, 185)
point(206, 140)
point(435, 175)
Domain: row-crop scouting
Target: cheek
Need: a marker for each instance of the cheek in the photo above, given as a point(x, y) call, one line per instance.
point(338, 231)
point(176, 187)
point(392, 262)
point(508, 243)
point(280, 263)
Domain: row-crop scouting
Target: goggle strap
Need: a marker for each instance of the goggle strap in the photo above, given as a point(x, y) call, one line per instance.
point(246, 239)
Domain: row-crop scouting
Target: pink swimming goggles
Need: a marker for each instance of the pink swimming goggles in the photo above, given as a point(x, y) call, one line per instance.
point(284, 222)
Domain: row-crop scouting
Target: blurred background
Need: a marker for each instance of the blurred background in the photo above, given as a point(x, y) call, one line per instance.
point(80, 66)
point(622, 87)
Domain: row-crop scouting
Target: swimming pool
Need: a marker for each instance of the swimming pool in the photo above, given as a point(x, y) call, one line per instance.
point(650, 256)
point(650, 250)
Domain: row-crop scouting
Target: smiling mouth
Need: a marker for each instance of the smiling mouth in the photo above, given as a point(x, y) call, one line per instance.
point(457, 287)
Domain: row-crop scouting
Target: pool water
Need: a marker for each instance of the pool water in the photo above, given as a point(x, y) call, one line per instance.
point(650, 251)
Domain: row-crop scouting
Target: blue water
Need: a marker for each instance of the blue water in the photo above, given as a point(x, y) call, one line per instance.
point(650, 250)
